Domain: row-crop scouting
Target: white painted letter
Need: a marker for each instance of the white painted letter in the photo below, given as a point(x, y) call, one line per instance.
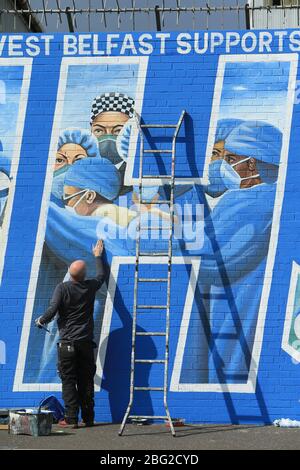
point(184, 47)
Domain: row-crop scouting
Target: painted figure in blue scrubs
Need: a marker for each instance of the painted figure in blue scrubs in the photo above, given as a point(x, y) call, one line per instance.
point(242, 175)
point(110, 112)
point(73, 145)
point(86, 186)
point(111, 120)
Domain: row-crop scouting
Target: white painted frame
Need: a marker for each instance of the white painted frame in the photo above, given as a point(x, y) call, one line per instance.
point(19, 385)
point(250, 386)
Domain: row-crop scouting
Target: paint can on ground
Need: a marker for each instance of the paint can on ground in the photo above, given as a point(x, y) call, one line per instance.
point(34, 422)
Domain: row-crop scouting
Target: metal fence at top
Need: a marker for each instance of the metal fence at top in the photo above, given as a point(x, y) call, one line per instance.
point(136, 15)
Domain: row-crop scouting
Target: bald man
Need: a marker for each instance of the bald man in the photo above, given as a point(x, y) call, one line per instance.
point(73, 301)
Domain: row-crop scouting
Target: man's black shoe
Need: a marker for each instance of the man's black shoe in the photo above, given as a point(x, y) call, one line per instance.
point(89, 424)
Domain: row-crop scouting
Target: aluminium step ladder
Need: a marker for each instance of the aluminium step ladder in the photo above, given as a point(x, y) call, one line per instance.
point(165, 281)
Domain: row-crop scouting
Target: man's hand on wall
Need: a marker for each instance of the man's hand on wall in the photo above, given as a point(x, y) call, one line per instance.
point(98, 248)
point(38, 323)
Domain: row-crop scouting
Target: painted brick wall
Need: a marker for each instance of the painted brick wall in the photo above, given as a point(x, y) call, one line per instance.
point(235, 294)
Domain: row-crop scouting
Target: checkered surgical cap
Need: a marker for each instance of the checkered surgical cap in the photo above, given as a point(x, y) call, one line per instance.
point(112, 102)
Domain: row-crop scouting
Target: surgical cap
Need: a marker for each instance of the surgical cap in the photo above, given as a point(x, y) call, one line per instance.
point(224, 127)
point(113, 101)
point(257, 139)
point(98, 175)
point(80, 137)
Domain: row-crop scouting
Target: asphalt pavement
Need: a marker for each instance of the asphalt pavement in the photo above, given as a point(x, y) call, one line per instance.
point(158, 437)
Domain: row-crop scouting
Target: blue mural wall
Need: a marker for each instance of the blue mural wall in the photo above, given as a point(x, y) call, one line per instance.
point(69, 162)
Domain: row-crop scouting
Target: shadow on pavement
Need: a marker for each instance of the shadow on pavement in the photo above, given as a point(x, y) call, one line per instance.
point(186, 431)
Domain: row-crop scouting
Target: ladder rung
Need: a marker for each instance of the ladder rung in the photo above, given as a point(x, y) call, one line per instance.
point(153, 254)
point(150, 361)
point(162, 201)
point(150, 333)
point(154, 389)
point(167, 126)
point(149, 279)
point(147, 417)
point(151, 306)
point(158, 151)
point(158, 177)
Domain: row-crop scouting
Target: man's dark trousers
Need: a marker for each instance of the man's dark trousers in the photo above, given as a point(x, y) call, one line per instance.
point(77, 369)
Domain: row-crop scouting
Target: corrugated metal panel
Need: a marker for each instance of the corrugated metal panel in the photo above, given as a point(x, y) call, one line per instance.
point(275, 19)
point(11, 23)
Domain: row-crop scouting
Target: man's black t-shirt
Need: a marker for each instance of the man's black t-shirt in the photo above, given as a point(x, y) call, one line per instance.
point(74, 304)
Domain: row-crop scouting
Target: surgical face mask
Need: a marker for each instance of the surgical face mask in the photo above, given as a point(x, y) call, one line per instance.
point(216, 185)
point(58, 181)
point(223, 176)
point(68, 198)
point(108, 148)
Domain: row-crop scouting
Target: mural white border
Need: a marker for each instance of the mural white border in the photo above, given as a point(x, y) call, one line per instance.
point(26, 63)
point(290, 313)
point(250, 386)
point(19, 385)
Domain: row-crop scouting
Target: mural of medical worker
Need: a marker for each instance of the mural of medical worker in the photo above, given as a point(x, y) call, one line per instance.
point(73, 145)
point(88, 192)
point(111, 123)
point(109, 114)
point(244, 168)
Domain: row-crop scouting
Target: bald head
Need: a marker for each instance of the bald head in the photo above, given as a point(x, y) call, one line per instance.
point(77, 270)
